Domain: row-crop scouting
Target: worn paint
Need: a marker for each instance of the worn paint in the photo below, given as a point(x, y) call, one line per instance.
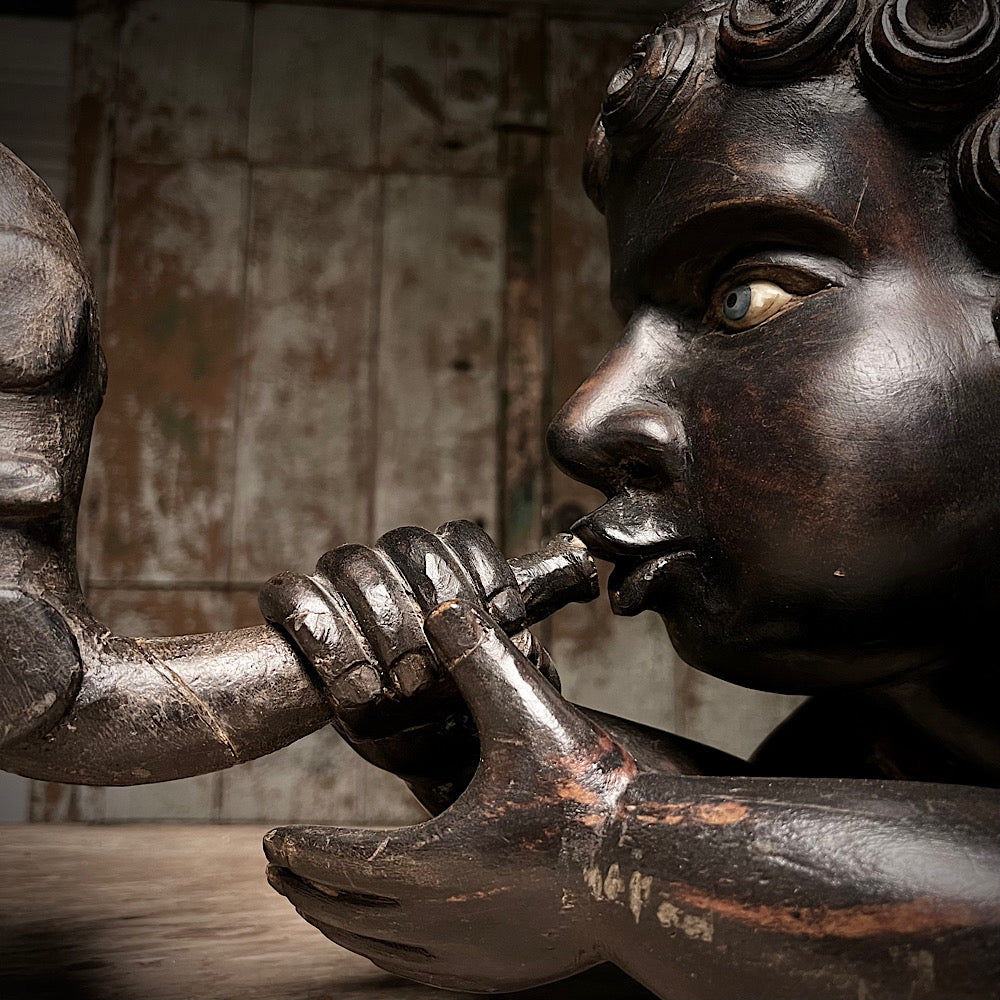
point(437, 462)
point(922, 916)
point(639, 889)
point(675, 813)
point(440, 92)
point(313, 100)
point(694, 926)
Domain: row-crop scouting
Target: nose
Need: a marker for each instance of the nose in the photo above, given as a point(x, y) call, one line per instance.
point(623, 428)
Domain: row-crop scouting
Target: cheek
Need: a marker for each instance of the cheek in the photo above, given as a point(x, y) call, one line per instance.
point(852, 461)
point(761, 477)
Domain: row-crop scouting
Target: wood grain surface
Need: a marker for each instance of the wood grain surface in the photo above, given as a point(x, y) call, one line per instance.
point(181, 913)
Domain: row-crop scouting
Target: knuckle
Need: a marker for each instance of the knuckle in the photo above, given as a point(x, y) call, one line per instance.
point(429, 568)
point(508, 609)
point(281, 594)
point(402, 537)
point(357, 686)
point(480, 555)
point(345, 560)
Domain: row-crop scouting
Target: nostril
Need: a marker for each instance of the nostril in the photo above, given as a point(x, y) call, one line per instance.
point(636, 472)
point(639, 447)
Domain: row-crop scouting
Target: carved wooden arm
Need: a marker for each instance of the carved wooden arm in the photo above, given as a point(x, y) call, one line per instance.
point(572, 845)
point(137, 710)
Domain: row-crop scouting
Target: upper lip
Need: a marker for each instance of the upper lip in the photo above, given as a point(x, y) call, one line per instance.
point(622, 533)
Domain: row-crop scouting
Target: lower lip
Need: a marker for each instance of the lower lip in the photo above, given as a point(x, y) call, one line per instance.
point(630, 595)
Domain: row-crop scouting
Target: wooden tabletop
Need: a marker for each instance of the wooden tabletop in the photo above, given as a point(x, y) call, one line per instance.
point(181, 912)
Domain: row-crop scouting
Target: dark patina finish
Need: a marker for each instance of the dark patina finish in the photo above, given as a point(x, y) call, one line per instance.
point(797, 438)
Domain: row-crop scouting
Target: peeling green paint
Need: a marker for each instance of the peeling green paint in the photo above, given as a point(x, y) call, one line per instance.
point(522, 511)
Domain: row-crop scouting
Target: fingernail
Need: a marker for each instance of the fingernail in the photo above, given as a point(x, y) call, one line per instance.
point(455, 629)
point(355, 687)
point(413, 672)
point(274, 847)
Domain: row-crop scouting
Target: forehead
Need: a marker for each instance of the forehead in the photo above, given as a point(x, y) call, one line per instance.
point(793, 164)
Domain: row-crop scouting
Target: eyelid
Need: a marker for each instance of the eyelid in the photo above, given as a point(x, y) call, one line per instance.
point(796, 274)
point(796, 280)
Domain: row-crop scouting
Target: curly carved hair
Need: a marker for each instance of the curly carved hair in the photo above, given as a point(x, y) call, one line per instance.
point(932, 67)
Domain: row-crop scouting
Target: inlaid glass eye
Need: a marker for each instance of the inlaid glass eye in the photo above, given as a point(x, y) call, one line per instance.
point(750, 304)
point(737, 303)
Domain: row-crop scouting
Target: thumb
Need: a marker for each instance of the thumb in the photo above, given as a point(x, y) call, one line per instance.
point(508, 698)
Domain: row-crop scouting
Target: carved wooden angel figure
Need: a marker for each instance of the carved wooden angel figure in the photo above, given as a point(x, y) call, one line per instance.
point(797, 438)
point(798, 435)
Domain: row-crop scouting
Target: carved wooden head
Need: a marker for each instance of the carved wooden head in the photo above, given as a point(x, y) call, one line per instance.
point(799, 430)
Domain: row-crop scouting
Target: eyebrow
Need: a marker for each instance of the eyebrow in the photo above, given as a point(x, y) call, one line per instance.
point(690, 254)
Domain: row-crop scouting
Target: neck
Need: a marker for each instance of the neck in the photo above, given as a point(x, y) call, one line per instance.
point(955, 704)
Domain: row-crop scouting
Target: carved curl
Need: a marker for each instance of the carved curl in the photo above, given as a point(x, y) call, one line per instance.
point(930, 64)
point(975, 181)
point(658, 75)
point(650, 80)
point(772, 41)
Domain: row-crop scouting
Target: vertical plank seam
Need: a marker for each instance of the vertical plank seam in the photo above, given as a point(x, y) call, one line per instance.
point(242, 388)
point(246, 221)
point(104, 242)
point(107, 237)
point(502, 402)
point(375, 320)
point(36, 794)
point(375, 291)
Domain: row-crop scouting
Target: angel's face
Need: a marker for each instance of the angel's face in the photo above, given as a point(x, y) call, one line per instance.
point(799, 430)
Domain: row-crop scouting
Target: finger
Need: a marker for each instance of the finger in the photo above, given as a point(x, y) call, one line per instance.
point(382, 863)
point(509, 700)
point(386, 613)
point(359, 912)
point(409, 961)
point(537, 655)
point(491, 571)
point(406, 960)
point(378, 930)
point(322, 629)
point(428, 566)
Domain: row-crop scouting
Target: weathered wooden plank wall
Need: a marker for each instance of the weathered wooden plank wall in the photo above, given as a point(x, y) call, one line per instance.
point(347, 272)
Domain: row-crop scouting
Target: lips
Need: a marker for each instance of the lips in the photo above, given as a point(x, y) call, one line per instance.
point(644, 548)
point(631, 590)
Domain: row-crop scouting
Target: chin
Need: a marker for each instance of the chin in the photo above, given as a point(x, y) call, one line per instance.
point(787, 657)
